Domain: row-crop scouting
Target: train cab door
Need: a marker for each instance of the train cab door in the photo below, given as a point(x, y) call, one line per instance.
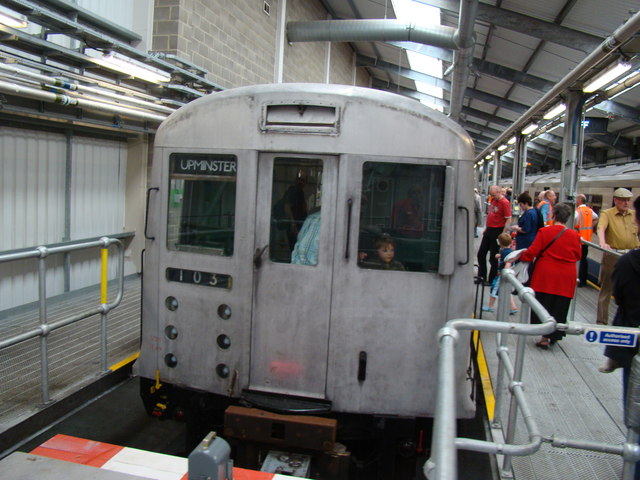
point(293, 261)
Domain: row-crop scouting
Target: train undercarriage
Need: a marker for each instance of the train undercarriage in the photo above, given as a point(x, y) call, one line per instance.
point(330, 445)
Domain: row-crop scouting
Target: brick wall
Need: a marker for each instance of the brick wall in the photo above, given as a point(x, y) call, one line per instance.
point(236, 41)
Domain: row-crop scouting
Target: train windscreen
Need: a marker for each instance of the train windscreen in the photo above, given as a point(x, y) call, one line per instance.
point(202, 203)
point(401, 216)
point(295, 210)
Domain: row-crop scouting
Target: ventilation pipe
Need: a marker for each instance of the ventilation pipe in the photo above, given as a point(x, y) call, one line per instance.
point(28, 92)
point(461, 40)
point(463, 56)
point(75, 87)
point(370, 31)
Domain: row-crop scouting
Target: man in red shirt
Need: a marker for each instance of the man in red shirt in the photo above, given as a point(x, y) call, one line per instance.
point(498, 221)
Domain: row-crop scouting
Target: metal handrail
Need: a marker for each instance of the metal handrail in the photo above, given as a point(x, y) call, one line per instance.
point(602, 249)
point(443, 463)
point(45, 328)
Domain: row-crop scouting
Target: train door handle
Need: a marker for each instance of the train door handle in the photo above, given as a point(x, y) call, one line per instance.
point(468, 233)
point(257, 257)
point(146, 213)
point(362, 366)
point(349, 209)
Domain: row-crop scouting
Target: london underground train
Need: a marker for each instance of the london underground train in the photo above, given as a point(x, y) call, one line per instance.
point(305, 243)
point(596, 182)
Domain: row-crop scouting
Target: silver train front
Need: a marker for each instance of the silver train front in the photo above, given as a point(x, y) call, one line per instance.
point(225, 308)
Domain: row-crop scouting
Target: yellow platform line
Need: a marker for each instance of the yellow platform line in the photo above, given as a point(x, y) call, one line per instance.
point(485, 378)
point(124, 362)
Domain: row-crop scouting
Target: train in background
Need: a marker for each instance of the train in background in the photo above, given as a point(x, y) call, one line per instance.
point(597, 183)
point(264, 283)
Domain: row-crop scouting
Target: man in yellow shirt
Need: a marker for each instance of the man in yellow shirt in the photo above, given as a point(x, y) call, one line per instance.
point(617, 232)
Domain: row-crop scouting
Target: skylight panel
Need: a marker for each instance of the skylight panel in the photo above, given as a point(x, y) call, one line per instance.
point(412, 11)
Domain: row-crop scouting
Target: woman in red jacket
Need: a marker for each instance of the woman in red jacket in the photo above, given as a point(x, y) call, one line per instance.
point(554, 277)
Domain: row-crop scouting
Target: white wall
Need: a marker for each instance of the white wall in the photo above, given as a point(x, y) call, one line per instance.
point(32, 210)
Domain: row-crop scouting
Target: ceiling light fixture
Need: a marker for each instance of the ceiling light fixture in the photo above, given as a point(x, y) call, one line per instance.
point(606, 77)
point(530, 128)
point(11, 21)
point(131, 67)
point(555, 111)
point(511, 141)
point(502, 147)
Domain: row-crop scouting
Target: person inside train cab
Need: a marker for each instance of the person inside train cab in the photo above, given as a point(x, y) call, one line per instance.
point(385, 251)
point(546, 205)
point(407, 216)
point(498, 221)
point(556, 249)
point(528, 224)
point(291, 210)
point(617, 232)
point(305, 250)
point(584, 222)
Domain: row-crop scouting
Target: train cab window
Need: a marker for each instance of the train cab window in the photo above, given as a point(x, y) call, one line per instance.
point(401, 216)
point(295, 210)
point(202, 203)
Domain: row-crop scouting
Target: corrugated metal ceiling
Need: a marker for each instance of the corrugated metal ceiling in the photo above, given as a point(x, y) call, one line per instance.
point(539, 38)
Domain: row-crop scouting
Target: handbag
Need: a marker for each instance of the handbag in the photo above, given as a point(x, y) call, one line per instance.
point(532, 265)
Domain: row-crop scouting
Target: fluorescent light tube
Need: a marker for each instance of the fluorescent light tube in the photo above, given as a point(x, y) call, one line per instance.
point(11, 21)
point(555, 111)
point(131, 67)
point(606, 77)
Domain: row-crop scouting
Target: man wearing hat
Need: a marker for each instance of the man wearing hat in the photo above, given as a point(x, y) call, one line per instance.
point(616, 231)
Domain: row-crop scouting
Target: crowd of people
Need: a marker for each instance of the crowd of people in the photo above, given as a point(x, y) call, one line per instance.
point(541, 236)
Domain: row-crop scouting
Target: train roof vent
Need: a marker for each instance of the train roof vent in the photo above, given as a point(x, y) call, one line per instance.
point(300, 118)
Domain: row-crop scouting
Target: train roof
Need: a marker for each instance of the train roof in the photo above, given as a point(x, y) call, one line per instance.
point(182, 125)
point(603, 173)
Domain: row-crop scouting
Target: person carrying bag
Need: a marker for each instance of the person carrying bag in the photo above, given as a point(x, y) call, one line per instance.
point(554, 254)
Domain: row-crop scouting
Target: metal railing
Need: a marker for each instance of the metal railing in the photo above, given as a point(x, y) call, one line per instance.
point(443, 463)
point(45, 328)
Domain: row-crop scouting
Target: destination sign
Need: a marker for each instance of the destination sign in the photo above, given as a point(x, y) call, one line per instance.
point(611, 337)
point(203, 164)
point(196, 277)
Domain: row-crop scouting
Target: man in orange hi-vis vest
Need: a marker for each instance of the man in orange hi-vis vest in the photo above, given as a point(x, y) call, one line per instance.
point(546, 205)
point(585, 221)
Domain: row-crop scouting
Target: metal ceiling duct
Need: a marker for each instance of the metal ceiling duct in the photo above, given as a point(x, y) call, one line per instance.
point(463, 56)
point(370, 31)
point(461, 40)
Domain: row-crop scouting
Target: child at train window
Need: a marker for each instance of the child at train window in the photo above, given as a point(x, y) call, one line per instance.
point(504, 240)
point(385, 251)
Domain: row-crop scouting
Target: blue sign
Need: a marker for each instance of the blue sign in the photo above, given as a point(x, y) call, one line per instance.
point(611, 337)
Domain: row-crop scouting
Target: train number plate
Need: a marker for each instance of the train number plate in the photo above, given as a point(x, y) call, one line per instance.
point(195, 277)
